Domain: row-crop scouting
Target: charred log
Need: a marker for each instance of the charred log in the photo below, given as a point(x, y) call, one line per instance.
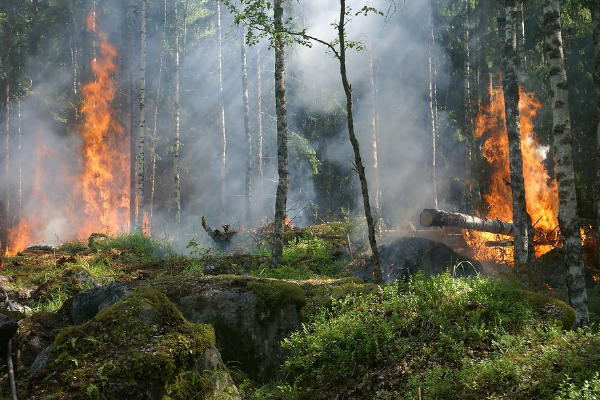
point(431, 217)
point(221, 237)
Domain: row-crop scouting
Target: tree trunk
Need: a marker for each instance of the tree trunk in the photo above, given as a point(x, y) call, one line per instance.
point(139, 212)
point(248, 193)
point(433, 166)
point(133, 119)
point(374, 139)
point(522, 60)
point(177, 182)
point(355, 145)
point(523, 258)
point(259, 121)
point(595, 10)
point(6, 119)
point(222, 114)
point(282, 127)
point(563, 152)
point(441, 218)
point(467, 126)
point(154, 128)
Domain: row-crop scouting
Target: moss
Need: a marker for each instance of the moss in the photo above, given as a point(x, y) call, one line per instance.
point(271, 293)
point(321, 292)
point(550, 308)
point(142, 344)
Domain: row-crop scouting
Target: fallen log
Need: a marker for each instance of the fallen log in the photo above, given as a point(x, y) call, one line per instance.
point(432, 217)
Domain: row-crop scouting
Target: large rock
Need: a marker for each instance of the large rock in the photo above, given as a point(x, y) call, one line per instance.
point(406, 256)
point(139, 348)
point(250, 316)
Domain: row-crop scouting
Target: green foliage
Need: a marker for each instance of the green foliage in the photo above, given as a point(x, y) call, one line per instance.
point(589, 390)
point(452, 338)
point(305, 257)
point(140, 247)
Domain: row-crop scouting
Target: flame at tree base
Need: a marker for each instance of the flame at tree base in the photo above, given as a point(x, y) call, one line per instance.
point(540, 191)
point(97, 198)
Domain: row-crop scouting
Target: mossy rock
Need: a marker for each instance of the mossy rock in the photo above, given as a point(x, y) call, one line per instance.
point(139, 348)
point(72, 280)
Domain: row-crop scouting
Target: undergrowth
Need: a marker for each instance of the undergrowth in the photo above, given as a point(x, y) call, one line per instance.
point(445, 338)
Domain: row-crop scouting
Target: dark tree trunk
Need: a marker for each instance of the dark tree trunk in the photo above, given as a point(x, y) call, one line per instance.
point(355, 145)
point(5, 110)
point(523, 258)
point(282, 127)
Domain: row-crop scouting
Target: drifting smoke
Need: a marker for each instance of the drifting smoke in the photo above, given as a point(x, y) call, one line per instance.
point(397, 46)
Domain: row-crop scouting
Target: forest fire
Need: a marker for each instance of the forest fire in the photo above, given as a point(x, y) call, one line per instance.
point(98, 195)
point(540, 192)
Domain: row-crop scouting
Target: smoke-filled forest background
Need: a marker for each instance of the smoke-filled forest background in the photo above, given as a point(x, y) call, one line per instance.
point(426, 72)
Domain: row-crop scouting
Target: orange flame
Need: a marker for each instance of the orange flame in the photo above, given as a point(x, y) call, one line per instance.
point(98, 199)
point(540, 191)
point(102, 188)
point(31, 228)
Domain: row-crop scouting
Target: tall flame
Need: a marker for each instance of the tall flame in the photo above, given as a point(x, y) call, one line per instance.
point(540, 191)
point(101, 190)
point(98, 196)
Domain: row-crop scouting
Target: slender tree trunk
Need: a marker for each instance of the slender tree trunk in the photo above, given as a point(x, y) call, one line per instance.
point(176, 144)
point(522, 60)
point(355, 145)
point(248, 193)
point(595, 10)
point(282, 127)
point(222, 114)
point(259, 121)
point(142, 126)
point(6, 72)
point(522, 257)
point(563, 152)
point(432, 110)
point(467, 126)
point(154, 128)
point(374, 139)
point(133, 119)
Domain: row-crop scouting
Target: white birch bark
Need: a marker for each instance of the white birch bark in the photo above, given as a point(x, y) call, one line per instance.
point(176, 145)
point(142, 125)
point(248, 186)
point(563, 153)
point(222, 119)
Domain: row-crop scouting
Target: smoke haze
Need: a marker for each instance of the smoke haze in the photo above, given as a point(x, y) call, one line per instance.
point(397, 43)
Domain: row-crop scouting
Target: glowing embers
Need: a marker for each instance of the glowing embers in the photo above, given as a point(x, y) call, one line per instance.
point(540, 192)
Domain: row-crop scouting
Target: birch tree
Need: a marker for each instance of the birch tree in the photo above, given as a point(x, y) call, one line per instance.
point(433, 166)
point(222, 117)
point(176, 144)
point(142, 126)
point(282, 131)
point(154, 128)
point(255, 16)
point(467, 125)
point(522, 256)
point(248, 186)
point(563, 152)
